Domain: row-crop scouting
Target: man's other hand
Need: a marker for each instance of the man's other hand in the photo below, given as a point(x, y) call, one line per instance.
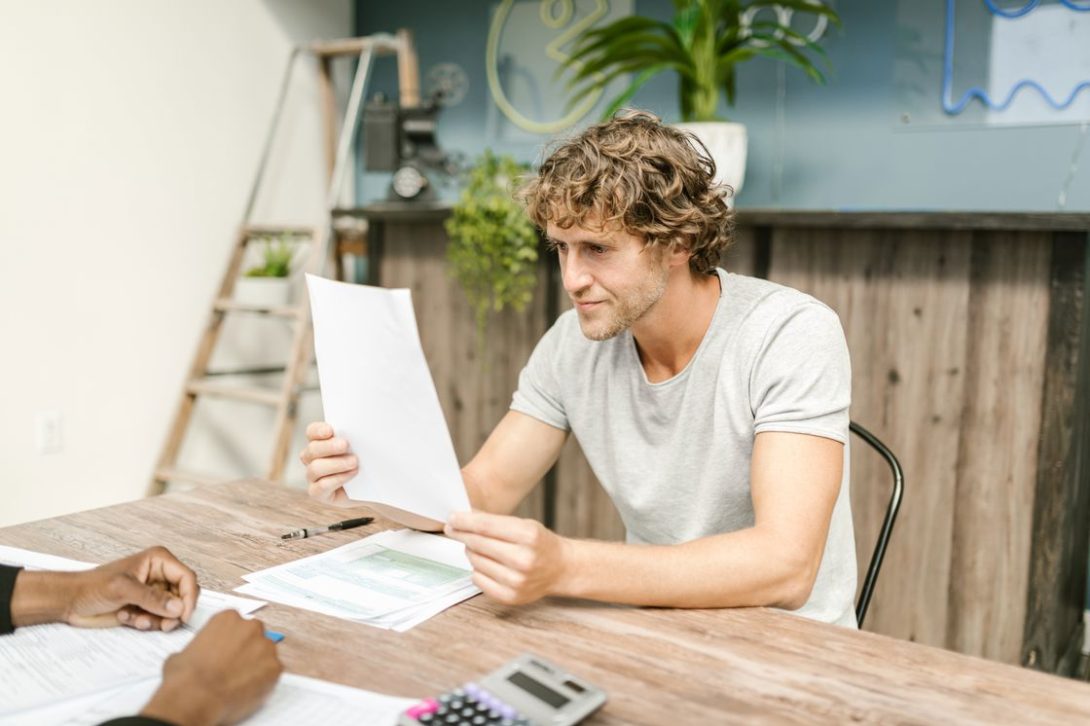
point(222, 676)
point(329, 465)
point(151, 590)
point(515, 561)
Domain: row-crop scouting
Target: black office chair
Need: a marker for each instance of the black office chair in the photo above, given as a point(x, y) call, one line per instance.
point(887, 524)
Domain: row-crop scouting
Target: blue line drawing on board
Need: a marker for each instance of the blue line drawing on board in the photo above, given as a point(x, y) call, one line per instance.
point(953, 108)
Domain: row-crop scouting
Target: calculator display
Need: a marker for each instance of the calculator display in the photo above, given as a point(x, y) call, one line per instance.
point(531, 686)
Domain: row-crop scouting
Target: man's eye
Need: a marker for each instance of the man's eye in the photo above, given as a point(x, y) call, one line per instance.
point(597, 249)
point(560, 247)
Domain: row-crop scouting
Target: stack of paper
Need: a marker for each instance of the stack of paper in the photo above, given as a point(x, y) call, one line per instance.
point(296, 700)
point(394, 580)
point(56, 674)
point(43, 663)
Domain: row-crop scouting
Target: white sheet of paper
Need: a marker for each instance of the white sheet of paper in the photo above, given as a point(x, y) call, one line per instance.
point(377, 393)
point(40, 561)
point(296, 700)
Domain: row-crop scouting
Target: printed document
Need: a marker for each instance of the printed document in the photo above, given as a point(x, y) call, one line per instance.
point(394, 579)
point(296, 700)
point(377, 393)
point(58, 674)
point(41, 663)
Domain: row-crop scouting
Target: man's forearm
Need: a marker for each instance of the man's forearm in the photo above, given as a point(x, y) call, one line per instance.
point(477, 498)
point(41, 597)
point(744, 568)
point(484, 498)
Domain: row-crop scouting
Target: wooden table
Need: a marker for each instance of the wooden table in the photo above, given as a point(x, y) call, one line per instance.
point(659, 666)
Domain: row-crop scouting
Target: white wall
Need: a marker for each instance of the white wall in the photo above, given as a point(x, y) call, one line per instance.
point(129, 132)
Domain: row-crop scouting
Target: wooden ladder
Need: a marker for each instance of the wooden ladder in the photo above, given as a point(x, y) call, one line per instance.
point(200, 380)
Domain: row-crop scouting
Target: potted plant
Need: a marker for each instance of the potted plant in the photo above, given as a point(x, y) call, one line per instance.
point(267, 284)
point(704, 44)
point(493, 247)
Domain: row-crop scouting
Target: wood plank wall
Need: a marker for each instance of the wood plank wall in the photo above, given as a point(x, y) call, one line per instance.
point(966, 360)
point(474, 389)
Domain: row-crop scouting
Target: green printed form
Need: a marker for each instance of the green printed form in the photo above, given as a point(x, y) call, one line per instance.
point(392, 579)
point(382, 570)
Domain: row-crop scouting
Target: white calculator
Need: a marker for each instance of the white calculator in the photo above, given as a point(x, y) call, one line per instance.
point(527, 691)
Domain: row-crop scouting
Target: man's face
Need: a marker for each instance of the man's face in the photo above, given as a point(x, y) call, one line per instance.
point(612, 278)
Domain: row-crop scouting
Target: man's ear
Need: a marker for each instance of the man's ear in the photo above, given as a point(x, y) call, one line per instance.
point(678, 253)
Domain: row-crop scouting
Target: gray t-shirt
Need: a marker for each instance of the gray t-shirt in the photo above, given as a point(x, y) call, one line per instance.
point(675, 456)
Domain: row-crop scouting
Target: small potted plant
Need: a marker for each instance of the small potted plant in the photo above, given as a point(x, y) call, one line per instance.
point(493, 250)
point(704, 44)
point(268, 284)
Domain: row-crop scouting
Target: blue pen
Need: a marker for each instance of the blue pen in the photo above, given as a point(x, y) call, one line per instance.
point(274, 636)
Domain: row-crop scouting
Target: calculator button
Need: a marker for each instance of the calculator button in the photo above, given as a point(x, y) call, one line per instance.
point(479, 720)
point(457, 704)
point(446, 698)
point(426, 718)
point(468, 712)
point(507, 711)
point(452, 718)
point(428, 705)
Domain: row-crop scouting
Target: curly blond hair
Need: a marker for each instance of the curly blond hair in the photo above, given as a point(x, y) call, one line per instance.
point(651, 180)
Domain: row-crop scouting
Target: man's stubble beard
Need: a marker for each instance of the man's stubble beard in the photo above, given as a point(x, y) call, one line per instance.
point(628, 312)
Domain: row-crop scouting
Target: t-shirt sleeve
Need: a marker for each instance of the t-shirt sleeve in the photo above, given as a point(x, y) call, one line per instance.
point(801, 377)
point(539, 393)
point(8, 576)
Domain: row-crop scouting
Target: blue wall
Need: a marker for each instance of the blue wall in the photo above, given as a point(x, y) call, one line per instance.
point(854, 143)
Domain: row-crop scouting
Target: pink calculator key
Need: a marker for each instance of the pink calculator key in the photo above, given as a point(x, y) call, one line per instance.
point(428, 705)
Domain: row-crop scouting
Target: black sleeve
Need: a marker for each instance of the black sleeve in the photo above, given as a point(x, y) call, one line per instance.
point(135, 721)
point(7, 587)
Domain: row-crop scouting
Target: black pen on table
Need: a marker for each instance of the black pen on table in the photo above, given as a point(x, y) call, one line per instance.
point(335, 527)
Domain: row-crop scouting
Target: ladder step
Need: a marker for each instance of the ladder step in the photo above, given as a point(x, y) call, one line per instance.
point(168, 475)
point(227, 305)
point(254, 371)
point(252, 394)
point(272, 230)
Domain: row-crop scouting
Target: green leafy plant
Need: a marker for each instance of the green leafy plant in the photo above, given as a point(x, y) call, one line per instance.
point(494, 247)
point(276, 259)
point(704, 45)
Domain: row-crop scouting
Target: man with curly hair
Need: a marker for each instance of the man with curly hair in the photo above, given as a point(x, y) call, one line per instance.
point(712, 407)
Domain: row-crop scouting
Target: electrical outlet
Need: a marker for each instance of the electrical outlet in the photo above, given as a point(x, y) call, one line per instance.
point(47, 432)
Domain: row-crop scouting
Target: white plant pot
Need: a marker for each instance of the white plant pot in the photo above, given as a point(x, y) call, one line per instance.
point(263, 291)
point(727, 144)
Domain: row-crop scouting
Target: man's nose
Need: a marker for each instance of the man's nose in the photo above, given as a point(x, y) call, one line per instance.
point(575, 274)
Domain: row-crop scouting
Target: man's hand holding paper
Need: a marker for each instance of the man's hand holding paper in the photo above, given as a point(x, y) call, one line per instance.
point(330, 464)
